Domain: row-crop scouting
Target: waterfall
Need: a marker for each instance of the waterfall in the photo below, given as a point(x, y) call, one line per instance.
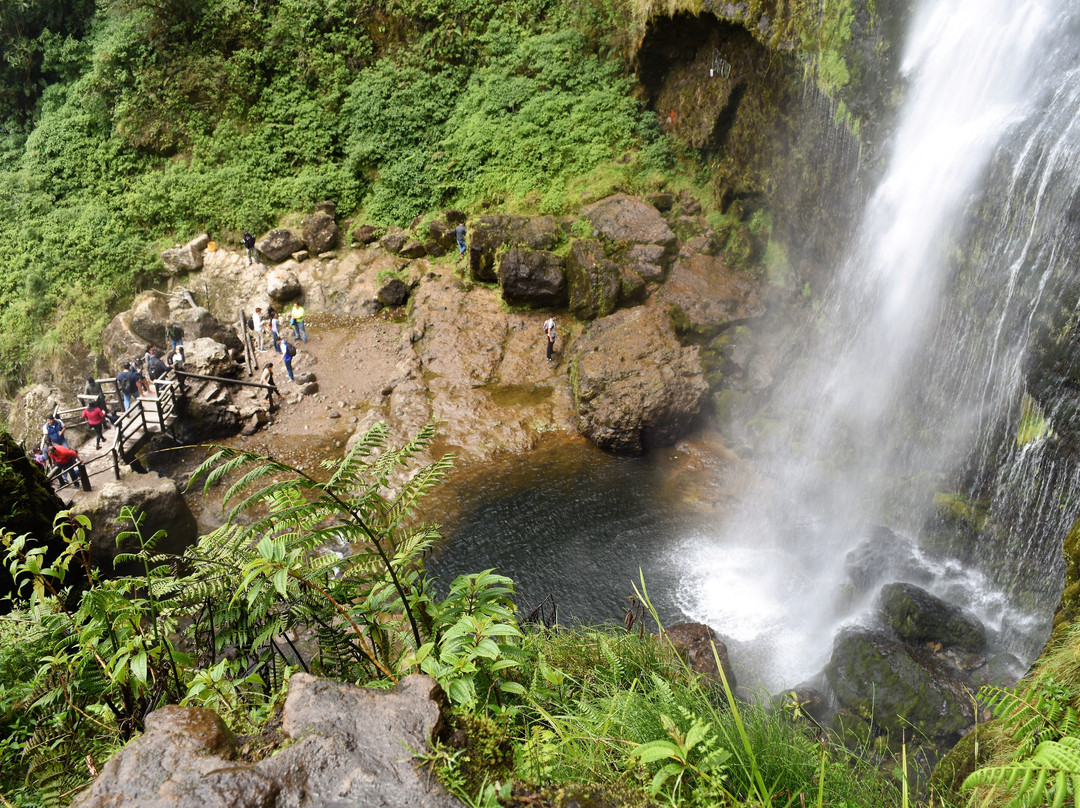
point(910, 377)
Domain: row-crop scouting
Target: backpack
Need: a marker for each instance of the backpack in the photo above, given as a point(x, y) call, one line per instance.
point(128, 383)
point(290, 351)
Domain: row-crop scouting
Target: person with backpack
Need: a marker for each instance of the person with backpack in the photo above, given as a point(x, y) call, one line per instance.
point(127, 382)
point(549, 332)
point(288, 351)
point(249, 245)
point(53, 430)
point(175, 335)
point(155, 368)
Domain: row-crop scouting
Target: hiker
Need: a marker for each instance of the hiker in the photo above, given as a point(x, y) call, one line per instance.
point(249, 245)
point(257, 322)
point(459, 232)
point(549, 331)
point(275, 330)
point(288, 351)
point(64, 458)
point(296, 319)
point(267, 378)
point(93, 388)
point(53, 430)
point(140, 378)
point(40, 456)
point(95, 417)
point(155, 368)
point(127, 382)
point(175, 335)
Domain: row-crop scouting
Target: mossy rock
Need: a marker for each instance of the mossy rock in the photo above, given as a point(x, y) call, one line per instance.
point(971, 752)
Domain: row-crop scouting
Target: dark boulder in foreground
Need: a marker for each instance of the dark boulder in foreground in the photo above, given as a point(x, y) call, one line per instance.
point(917, 616)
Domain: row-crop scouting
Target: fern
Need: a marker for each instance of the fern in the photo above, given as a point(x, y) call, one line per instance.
point(1050, 776)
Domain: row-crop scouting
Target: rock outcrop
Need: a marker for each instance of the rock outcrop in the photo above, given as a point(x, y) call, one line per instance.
point(706, 296)
point(917, 616)
point(189, 258)
point(352, 750)
point(532, 278)
point(160, 501)
point(279, 244)
point(592, 280)
point(634, 385)
point(490, 233)
point(695, 642)
point(320, 232)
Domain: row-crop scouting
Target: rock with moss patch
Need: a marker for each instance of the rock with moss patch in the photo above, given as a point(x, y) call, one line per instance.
point(489, 234)
point(628, 220)
point(917, 616)
point(592, 281)
point(898, 687)
point(706, 296)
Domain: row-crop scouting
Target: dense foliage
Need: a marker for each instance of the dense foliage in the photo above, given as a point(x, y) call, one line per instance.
point(127, 124)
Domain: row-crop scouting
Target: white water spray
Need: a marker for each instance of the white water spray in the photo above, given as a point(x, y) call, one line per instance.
point(895, 385)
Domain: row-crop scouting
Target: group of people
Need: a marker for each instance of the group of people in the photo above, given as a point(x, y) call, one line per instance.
point(54, 449)
point(271, 322)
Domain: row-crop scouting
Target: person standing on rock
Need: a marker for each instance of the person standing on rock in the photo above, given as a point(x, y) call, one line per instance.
point(249, 245)
point(459, 233)
point(53, 430)
point(257, 321)
point(271, 389)
point(175, 334)
point(275, 330)
point(95, 417)
point(297, 320)
point(549, 332)
point(288, 351)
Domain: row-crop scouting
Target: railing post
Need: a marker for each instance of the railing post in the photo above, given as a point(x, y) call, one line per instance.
point(84, 478)
point(116, 463)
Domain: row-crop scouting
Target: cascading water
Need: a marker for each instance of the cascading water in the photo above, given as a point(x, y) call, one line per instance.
point(917, 358)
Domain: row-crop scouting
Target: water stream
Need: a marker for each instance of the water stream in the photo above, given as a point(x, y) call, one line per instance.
point(910, 380)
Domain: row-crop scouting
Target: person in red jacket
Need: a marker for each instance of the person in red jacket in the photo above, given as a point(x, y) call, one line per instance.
point(64, 459)
point(95, 416)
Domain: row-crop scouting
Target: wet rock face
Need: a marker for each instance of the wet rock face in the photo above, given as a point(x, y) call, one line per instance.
point(634, 385)
point(897, 686)
point(277, 245)
point(352, 751)
point(707, 296)
point(917, 616)
point(532, 278)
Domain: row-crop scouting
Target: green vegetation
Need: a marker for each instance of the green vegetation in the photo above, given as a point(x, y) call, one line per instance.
point(1029, 755)
point(608, 710)
point(127, 125)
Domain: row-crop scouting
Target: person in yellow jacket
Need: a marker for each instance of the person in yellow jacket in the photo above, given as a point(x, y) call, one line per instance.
point(296, 318)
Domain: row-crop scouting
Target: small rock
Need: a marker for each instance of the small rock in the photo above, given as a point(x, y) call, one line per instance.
point(334, 414)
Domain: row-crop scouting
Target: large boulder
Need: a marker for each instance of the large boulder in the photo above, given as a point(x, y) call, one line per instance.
point(30, 408)
point(592, 281)
point(897, 686)
point(129, 332)
point(532, 278)
point(277, 245)
point(353, 748)
point(634, 385)
point(628, 220)
point(917, 616)
point(320, 232)
point(183, 760)
point(200, 323)
point(157, 497)
point(884, 555)
point(282, 284)
point(706, 296)
point(189, 258)
point(490, 233)
point(394, 292)
point(209, 357)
